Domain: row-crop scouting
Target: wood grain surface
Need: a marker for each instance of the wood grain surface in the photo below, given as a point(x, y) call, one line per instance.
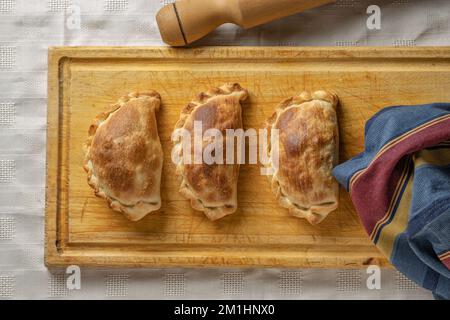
point(84, 81)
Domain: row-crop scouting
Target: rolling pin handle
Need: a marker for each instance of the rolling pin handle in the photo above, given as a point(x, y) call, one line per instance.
point(186, 21)
point(169, 26)
point(183, 22)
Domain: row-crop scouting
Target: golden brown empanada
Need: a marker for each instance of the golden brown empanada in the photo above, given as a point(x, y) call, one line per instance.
point(124, 155)
point(308, 150)
point(211, 188)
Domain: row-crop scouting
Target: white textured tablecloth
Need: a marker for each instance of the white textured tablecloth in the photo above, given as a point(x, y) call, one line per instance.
point(27, 28)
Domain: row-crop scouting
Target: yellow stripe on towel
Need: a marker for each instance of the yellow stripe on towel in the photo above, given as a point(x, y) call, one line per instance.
point(436, 157)
point(399, 222)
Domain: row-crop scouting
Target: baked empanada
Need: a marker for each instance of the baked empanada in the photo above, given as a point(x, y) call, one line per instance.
point(308, 147)
point(211, 188)
point(124, 156)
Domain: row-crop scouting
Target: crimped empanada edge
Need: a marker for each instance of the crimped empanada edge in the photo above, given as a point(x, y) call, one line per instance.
point(283, 200)
point(115, 204)
point(185, 190)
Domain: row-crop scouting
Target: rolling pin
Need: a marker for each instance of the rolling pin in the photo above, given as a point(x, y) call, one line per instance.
point(185, 21)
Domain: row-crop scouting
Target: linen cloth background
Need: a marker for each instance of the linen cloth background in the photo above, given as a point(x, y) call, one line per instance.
point(27, 28)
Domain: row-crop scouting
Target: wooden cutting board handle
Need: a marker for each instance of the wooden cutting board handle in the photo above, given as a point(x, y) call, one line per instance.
point(185, 21)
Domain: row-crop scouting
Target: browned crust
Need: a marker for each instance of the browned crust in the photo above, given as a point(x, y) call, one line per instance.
point(283, 185)
point(138, 209)
point(215, 172)
point(205, 97)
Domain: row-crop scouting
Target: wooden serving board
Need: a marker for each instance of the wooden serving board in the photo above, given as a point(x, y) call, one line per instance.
point(84, 81)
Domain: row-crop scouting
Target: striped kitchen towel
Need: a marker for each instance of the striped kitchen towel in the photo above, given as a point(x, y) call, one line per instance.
point(400, 186)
